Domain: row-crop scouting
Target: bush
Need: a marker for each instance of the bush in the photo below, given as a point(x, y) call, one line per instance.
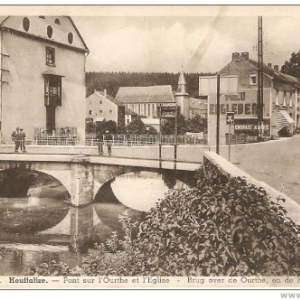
point(222, 227)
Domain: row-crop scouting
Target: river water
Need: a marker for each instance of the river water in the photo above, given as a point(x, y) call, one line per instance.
point(43, 226)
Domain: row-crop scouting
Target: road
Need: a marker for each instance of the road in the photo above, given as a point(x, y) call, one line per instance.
point(274, 162)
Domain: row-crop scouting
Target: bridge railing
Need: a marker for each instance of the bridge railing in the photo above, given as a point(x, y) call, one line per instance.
point(151, 139)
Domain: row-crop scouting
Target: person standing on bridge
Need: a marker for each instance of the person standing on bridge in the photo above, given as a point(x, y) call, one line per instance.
point(22, 137)
point(15, 138)
point(99, 138)
point(108, 138)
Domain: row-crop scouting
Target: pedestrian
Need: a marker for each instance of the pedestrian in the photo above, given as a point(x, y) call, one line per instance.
point(15, 138)
point(22, 137)
point(108, 138)
point(99, 138)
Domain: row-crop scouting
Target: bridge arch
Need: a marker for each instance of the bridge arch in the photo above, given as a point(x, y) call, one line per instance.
point(56, 171)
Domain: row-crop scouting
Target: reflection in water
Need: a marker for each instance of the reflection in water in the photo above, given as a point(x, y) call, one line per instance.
point(141, 190)
point(43, 226)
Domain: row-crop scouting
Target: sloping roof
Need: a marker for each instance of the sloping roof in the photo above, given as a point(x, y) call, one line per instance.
point(38, 29)
point(129, 112)
point(145, 94)
point(276, 75)
point(108, 97)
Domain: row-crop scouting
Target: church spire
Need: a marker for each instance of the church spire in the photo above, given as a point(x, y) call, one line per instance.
point(181, 83)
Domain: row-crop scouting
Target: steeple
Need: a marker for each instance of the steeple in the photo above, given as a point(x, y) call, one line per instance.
point(181, 83)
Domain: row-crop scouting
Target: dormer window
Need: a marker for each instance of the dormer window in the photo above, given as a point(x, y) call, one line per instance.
point(253, 79)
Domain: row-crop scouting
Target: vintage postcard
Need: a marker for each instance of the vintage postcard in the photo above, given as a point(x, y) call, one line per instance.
point(150, 147)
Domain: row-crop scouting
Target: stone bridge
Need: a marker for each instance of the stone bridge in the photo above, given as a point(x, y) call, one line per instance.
point(83, 176)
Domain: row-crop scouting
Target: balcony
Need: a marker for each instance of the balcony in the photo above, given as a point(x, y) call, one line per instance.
point(60, 136)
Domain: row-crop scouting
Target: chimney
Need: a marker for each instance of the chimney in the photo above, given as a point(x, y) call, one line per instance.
point(235, 55)
point(245, 55)
point(269, 65)
point(104, 93)
point(276, 68)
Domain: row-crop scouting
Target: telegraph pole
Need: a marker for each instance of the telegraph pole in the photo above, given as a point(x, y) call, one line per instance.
point(260, 92)
point(218, 116)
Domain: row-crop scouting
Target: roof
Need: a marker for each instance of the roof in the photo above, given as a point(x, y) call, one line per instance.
point(108, 97)
point(276, 75)
point(148, 94)
point(129, 112)
point(38, 28)
point(181, 79)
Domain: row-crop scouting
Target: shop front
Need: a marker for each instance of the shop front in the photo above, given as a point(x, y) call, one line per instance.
point(247, 131)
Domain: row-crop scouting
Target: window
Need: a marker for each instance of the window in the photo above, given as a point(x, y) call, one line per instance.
point(110, 112)
point(90, 112)
point(49, 31)
point(242, 95)
point(253, 79)
point(70, 37)
point(57, 21)
point(100, 102)
point(50, 56)
point(26, 24)
point(90, 101)
point(42, 17)
point(52, 90)
point(100, 111)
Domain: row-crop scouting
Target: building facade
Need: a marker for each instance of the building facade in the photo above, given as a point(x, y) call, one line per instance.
point(42, 75)
point(238, 93)
point(100, 106)
point(145, 101)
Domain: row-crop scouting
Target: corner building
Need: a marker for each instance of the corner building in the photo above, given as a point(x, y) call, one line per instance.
point(42, 76)
point(238, 93)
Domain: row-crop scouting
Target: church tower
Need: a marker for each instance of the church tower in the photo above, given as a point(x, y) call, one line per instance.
point(182, 97)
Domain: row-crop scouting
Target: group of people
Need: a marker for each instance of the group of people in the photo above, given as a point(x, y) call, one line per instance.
point(18, 136)
point(101, 138)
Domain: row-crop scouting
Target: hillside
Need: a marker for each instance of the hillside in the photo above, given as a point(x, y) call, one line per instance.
point(111, 81)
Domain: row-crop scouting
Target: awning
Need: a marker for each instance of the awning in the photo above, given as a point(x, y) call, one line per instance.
point(53, 73)
point(284, 120)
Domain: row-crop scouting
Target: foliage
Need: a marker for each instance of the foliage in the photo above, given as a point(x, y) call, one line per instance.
point(113, 80)
point(195, 124)
point(292, 66)
point(137, 126)
point(104, 126)
point(223, 227)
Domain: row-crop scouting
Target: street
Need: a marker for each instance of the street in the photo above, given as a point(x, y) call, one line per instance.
point(277, 163)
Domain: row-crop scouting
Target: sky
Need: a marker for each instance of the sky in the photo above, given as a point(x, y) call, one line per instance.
point(200, 43)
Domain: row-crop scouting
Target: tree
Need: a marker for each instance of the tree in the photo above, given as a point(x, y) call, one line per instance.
point(197, 124)
point(292, 66)
point(168, 127)
point(137, 126)
point(104, 126)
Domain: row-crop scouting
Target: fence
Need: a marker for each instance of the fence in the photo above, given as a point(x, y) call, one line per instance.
point(134, 139)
